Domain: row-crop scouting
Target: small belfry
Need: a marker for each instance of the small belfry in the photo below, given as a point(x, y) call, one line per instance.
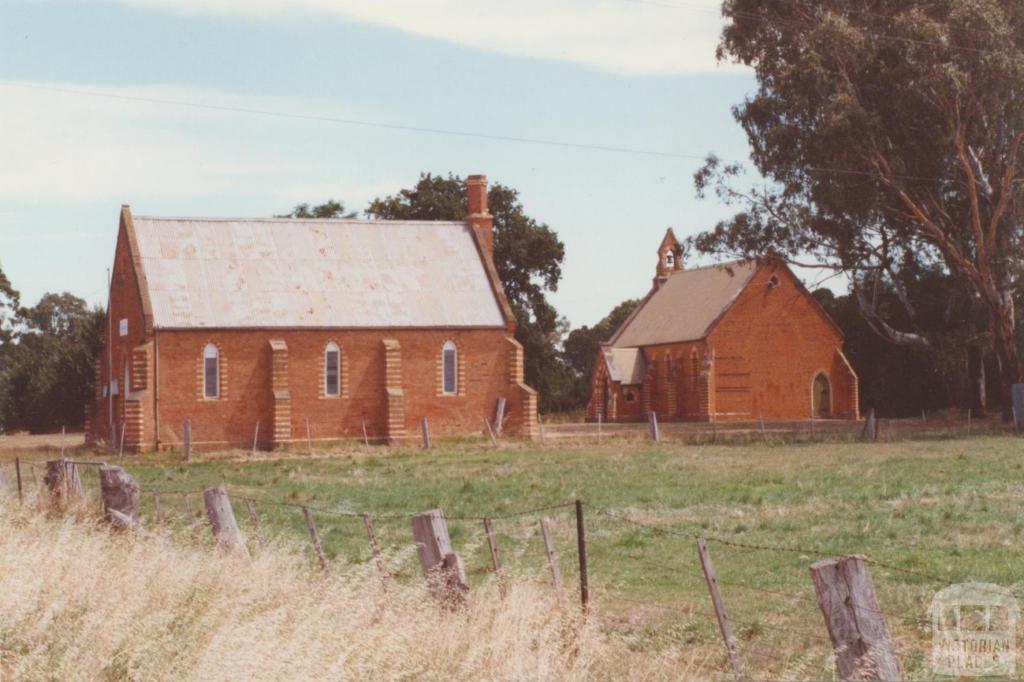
point(670, 258)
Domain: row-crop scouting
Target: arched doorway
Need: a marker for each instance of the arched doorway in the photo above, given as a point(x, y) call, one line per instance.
point(821, 396)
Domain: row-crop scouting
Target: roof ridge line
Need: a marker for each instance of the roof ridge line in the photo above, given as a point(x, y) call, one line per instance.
point(200, 219)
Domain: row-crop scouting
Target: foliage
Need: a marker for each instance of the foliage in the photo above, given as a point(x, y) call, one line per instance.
point(581, 346)
point(528, 257)
point(49, 367)
point(9, 303)
point(329, 209)
point(889, 133)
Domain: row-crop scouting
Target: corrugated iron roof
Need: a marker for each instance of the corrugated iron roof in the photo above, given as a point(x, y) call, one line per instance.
point(686, 305)
point(626, 365)
point(205, 272)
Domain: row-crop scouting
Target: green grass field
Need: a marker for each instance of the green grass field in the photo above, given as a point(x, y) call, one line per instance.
point(948, 508)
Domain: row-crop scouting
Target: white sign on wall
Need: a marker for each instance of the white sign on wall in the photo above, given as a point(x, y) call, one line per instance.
point(124, 327)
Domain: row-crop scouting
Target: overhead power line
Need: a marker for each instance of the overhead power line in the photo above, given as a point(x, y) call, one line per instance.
point(353, 121)
point(420, 129)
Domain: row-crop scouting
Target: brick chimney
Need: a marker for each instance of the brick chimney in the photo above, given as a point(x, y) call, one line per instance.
point(479, 219)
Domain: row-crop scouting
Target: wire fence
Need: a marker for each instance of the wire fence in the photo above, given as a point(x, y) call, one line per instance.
point(645, 578)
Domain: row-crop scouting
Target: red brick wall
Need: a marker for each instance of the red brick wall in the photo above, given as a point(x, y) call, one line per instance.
point(764, 354)
point(125, 303)
point(484, 375)
point(768, 349)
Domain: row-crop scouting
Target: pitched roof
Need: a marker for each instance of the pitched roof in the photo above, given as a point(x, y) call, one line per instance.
point(626, 365)
point(685, 306)
point(204, 272)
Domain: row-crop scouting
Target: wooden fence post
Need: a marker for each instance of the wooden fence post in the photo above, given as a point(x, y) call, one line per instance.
point(315, 537)
point(17, 472)
point(870, 432)
point(425, 427)
point(860, 640)
point(599, 427)
point(366, 439)
point(968, 421)
point(499, 416)
point(540, 423)
point(309, 437)
point(652, 418)
point(254, 519)
point(549, 548)
point(120, 494)
point(371, 533)
point(719, 604)
point(222, 521)
point(490, 432)
point(63, 481)
point(255, 438)
point(440, 563)
point(120, 447)
point(581, 550)
point(186, 432)
point(764, 434)
point(492, 544)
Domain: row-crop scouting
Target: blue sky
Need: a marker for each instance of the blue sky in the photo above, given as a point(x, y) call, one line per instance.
point(638, 74)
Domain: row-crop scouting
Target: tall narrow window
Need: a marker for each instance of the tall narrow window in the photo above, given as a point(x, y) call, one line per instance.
point(332, 370)
point(211, 372)
point(449, 371)
point(670, 369)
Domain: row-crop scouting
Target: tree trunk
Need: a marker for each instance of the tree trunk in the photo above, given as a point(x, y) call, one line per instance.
point(1009, 359)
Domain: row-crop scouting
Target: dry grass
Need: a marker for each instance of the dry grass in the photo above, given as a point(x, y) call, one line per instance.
point(82, 602)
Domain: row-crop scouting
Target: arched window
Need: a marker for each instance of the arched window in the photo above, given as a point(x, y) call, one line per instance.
point(449, 368)
point(670, 259)
point(670, 369)
point(332, 370)
point(211, 372)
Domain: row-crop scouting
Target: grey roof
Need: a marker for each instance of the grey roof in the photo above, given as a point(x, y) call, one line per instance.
point(205, 272)
point(686, 305)
point(626, 365)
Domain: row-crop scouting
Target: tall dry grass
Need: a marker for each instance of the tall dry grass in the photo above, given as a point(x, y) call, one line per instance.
point(79, 601)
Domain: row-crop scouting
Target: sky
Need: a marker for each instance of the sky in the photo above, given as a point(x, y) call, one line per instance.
point(244, 108)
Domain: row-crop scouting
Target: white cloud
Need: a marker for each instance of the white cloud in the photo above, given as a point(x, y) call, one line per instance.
point(60, 144)
point(620, 36)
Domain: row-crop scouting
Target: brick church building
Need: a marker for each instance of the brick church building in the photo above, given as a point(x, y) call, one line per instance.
point(728, 342)
point(250, 327)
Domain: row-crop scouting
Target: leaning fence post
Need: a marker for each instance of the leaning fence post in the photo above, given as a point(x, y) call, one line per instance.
point(652, 419)
point(120, 447)
point(315, 537)
point(492, 545)
point(716, 600)
point(255, 437)
point(425, 426)
point(490, 432)
point(120, 494)
point(309, 437)
point(366, 439)
point(581, 550)
point(440, 563)
point(549, 549)
point(186, 432)
point(17, 472)
point(499, 416)
point(222, 521)
point(860, 640)
point(371, 533)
